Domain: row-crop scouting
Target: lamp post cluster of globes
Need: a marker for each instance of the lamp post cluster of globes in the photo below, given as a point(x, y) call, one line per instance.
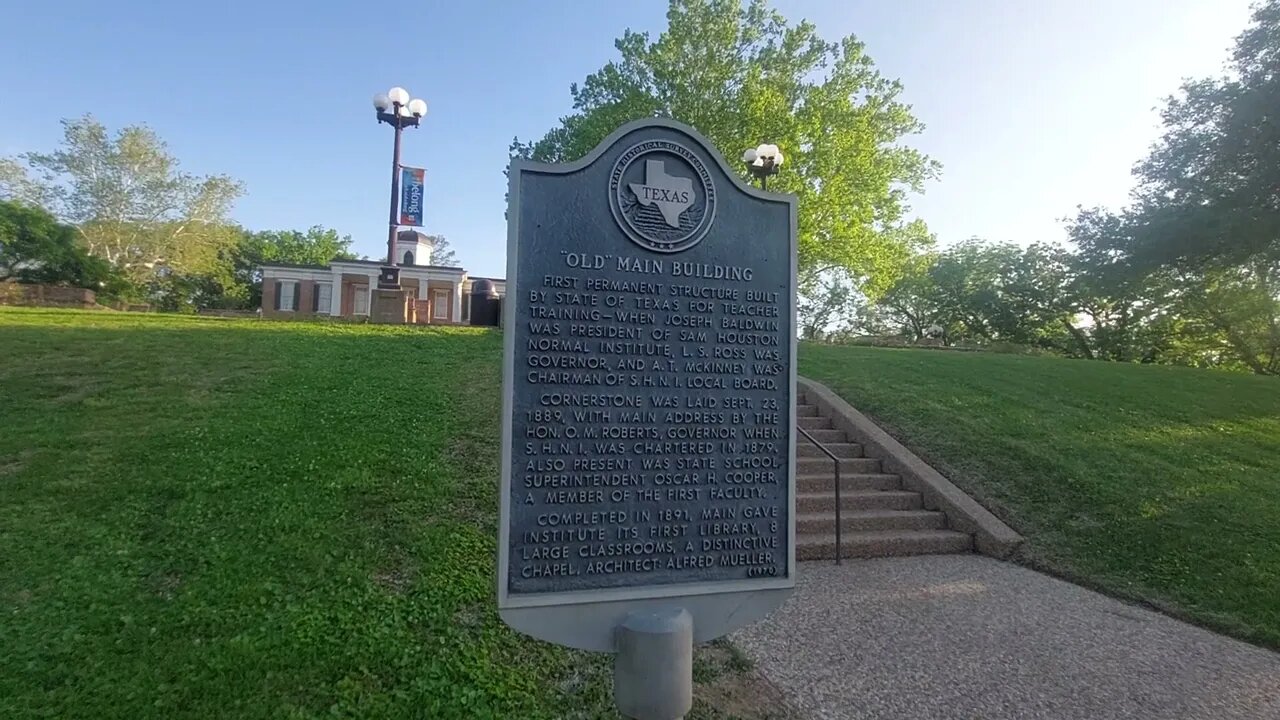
point(763, 161)
point(400, 111)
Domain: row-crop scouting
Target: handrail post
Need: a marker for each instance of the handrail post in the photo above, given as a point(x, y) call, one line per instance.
point(839, 544)
point(839, 530)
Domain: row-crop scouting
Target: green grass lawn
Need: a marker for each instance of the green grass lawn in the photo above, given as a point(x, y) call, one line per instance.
point(234, 518)
point(237, 518)
point(1153, 483)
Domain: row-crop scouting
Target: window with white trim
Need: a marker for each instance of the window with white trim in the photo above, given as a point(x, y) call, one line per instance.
point(287, 289)
point(324, 297)
point(360, 301)
point(440, 309)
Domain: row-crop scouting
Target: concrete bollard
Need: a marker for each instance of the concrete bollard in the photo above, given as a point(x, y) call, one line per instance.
point(653, 667)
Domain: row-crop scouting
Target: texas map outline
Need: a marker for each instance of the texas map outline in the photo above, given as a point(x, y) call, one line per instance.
point(671, 195)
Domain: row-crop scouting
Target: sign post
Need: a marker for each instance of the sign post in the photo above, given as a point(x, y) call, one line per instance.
point(648, 458)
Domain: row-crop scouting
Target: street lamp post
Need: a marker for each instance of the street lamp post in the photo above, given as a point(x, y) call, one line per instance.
point(762, 162)
point(396, 109)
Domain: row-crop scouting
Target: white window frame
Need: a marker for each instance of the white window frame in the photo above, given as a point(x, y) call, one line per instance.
point(325, 303)
point(361, 295)
point(440, 304)
point(286, 295)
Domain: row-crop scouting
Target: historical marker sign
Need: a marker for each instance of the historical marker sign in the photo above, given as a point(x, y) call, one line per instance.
point(648, 436)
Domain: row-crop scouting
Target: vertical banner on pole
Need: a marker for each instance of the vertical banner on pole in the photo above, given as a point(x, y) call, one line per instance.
point(411, 196)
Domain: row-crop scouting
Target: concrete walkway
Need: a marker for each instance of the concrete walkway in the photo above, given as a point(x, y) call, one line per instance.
point(965, 636)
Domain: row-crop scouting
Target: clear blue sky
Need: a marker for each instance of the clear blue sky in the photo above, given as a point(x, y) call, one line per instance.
point(1032, 106)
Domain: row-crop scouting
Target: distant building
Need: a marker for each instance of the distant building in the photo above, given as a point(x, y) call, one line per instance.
point(344, 288)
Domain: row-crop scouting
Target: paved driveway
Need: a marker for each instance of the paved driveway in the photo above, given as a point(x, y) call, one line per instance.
point(965, 636)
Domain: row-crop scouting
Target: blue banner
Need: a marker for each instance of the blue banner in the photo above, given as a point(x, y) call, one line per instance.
point(411, 196)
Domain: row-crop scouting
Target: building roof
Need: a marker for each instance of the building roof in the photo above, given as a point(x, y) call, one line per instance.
point(371, 263)
point(379, 263)
point(301, 266)
point(376, 263)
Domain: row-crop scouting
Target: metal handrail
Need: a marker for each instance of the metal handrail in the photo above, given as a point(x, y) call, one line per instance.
point(835, 460)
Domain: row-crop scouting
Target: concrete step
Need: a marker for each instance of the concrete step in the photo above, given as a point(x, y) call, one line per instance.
point(811, 502)
point(824, 466)
point(849, 482)
point(803, 410)
point(829, 435)
point(812, 423)
point(818, 546)
point(806, 449)
point(873, 520)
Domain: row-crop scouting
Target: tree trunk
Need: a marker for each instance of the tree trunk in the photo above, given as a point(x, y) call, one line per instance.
point(1247, 353)
point(1081, 339)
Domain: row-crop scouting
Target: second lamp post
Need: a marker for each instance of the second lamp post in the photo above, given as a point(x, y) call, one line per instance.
point(396, 109)
point(762, 162)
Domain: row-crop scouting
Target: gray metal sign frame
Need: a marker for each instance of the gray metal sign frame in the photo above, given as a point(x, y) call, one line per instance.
point(588, 619)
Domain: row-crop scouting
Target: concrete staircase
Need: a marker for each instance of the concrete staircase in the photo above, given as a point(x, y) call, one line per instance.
point(879, 516)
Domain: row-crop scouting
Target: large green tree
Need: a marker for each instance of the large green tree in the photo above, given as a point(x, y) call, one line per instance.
point(128, 199)
point(1205, 221)
point(1209, 191)
point(985, 292)
point(742, 75)
point(442, 253)
point(36, 248)
point(1042, 295)
point(316, 246)
point(235, 281)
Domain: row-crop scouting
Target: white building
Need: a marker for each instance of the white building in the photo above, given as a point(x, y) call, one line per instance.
point(344, 288)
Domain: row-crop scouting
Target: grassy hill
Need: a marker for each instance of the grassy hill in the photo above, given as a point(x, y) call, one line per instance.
point(1154, 483)
point(219, 518)
point(212, 518)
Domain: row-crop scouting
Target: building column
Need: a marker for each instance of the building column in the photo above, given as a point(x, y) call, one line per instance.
point(335, 295)
point(424, 298)
point(457, 303)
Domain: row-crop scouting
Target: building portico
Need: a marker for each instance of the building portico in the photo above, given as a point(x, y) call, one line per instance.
point(345, 289)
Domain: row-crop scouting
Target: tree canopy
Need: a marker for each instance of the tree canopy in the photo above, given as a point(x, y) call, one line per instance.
point(1189, 273)
point(128, 200)
point(442, 253)
point(1209, 191)
point(742, 75)
point(1203, 232)
point(116, 207)
point(316, 246)
point(36, 248)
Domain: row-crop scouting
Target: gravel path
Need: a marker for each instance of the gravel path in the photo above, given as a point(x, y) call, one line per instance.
point(965, 636)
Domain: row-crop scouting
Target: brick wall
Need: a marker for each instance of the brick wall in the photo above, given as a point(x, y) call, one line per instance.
point(12, 293)
point(305, 294)
point(221, 312)
point(269, 299)
point(446, 302)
